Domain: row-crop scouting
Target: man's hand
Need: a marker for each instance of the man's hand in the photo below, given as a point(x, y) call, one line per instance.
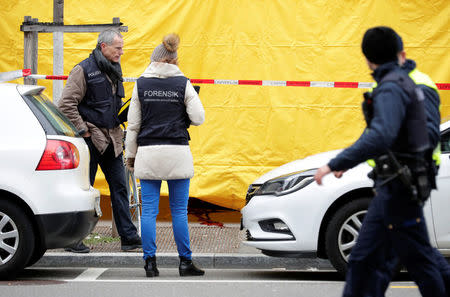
point(321, 172)
point(86, 134)
point(324, 170)
point(339, 174)
point(130, 164)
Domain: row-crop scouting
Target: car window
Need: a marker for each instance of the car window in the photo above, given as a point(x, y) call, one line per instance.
point(445, 141)
point(52, 120)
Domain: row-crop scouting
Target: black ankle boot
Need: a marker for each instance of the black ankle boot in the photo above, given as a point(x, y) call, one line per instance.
point(187, 268)
point(150, 267)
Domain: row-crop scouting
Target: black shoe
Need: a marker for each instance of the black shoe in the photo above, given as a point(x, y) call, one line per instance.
point(150, 267)
point(187, 268)
point(131, 244)
point(78, 248)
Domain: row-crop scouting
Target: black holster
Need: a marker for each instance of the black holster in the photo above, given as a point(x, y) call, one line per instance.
point(415, 173)
point(367, 107)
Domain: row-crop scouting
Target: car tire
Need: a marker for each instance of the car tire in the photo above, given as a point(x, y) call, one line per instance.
point(37, 255)
point(342, 232)
point(16, 239)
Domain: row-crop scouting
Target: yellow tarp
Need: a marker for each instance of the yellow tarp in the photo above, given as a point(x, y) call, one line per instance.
point(250, 129)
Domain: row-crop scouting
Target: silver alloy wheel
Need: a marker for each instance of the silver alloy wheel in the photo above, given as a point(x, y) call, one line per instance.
point(9, 238)
point(348, 233)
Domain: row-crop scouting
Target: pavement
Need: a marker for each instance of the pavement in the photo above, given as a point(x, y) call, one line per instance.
point(213, 246)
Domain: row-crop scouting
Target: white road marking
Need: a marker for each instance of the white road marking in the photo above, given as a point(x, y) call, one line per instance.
point(196, 280)
point(212, 281)
point(90, 274)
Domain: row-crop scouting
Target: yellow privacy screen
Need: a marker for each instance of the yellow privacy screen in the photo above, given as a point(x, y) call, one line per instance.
point(267, 70)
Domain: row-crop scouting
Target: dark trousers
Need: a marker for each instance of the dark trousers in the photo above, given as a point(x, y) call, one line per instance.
point(393, 225)
point(114, 171)
point(393, 262)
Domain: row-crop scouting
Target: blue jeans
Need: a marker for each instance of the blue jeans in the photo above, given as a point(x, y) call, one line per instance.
point(178, 199)
point(114, 172)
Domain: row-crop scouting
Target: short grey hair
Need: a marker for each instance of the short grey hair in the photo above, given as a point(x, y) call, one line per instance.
point(107, 36)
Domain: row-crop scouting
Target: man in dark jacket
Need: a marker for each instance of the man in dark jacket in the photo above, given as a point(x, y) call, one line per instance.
point(396, 135)
point(91, 99)
point(432, 111)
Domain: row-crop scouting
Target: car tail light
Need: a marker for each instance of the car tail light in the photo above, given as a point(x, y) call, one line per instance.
point(59, 155)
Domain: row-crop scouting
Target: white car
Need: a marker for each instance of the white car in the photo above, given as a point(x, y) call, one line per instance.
point(46, 200)
point(287, 214)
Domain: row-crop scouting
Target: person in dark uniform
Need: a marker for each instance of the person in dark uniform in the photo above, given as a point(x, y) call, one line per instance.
point(396, 137)
point(432, 112)
point(91, 99)
point(433, 117)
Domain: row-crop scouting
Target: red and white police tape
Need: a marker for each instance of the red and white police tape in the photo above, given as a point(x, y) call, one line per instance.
point(279, 83)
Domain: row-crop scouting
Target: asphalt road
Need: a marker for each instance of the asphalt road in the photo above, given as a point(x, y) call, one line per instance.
point(87, 282)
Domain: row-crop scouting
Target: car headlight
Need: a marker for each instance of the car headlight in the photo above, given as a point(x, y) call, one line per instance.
point(288, 183)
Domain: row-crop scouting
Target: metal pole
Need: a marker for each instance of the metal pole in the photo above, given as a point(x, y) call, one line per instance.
point(58, 49)
point(30, 51)
point(27, 51)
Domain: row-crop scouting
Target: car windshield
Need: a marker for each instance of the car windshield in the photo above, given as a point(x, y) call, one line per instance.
point(52, 120)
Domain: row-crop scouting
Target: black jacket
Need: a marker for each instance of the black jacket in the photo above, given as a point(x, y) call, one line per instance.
point(388, 130)
point(99, 106)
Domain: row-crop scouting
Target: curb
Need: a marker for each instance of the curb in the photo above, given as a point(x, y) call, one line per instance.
point(204, 260)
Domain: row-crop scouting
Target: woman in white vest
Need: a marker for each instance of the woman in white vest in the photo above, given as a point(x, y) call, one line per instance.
point(163, 105)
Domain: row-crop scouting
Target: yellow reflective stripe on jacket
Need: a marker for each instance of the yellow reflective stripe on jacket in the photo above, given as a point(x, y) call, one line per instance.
point(437, 155)
point(421, 78)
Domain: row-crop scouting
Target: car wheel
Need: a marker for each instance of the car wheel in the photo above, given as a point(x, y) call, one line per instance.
point(16, 240)
point(342, 232)
point(37, 255)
